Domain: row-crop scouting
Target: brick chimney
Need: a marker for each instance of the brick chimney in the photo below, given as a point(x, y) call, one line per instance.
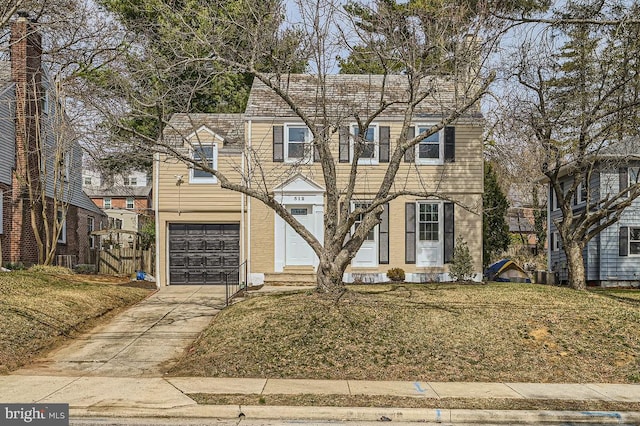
point(26, 73)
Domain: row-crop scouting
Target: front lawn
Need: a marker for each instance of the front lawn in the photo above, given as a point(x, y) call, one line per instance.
point(439, 332)
point(39, 310)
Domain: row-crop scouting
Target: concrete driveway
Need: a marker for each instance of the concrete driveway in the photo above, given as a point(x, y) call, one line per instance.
point(140, 341)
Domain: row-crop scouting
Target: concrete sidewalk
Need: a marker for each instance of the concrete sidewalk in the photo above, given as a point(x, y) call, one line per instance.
point(116, 371)
point(169, 397)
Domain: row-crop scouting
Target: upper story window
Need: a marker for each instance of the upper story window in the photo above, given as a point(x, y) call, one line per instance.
point(430, 150)
point(297, 147)
point(370, 144)
point(130, 203)
point(204, 154)
point(130, 181)
point(106, 203)
point(634, 175)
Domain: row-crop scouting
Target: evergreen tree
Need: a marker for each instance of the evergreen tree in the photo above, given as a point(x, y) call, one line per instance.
point(461, 268)
point(495, 230)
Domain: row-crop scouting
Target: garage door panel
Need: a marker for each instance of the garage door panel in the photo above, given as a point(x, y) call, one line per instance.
point(204, 253)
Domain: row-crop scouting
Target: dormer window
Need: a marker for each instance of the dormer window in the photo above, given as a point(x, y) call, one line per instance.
point(130, 181)
point(205, 155)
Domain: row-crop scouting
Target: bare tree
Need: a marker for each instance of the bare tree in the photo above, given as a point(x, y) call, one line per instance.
point(574, 104)
point(441, 57)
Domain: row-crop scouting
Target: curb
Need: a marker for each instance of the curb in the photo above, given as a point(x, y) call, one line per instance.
point(257, 412)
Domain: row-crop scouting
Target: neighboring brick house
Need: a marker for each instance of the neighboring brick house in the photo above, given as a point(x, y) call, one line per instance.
point(125, 198)
point(204, 231)
point(26, 102)
point(611, 258)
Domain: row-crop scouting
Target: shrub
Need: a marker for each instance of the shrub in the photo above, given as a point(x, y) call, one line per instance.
point(85, 268)
point(18, 266)
point(461, 268)
point(396, 274)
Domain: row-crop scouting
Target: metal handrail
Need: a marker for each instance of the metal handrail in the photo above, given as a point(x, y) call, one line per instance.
point(237, 288)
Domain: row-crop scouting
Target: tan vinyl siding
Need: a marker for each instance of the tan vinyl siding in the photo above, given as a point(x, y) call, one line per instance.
point(465, 175)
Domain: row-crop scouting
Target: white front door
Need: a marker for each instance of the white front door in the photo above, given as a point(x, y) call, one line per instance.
point(297, 251)
point(367, 256)
point(429, 244)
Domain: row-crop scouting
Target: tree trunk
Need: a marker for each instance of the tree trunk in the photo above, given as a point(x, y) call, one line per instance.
point(575, 264)
point(329, 275)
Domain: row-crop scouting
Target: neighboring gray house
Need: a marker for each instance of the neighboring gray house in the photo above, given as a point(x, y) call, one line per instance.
point(612, 258)
point(31, 131)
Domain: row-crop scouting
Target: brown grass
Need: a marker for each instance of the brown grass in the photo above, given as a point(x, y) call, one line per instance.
point(441, 332)
point(310, 400)
point(40, 310)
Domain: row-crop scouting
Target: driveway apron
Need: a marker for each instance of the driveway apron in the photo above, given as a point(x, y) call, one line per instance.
point(141, 341)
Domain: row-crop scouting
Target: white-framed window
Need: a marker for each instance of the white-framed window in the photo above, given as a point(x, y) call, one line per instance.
point(428, 222)
point(62, 223)
point(634, 175)
point(90, 229)
point(106, 203)
point(634, 241)
point(297, 144)
point(87, 180)
point(130, 181)
point(430, 150)
point(130, 204)
point(206, 154)
point(370, 139)
point(371, 236)
point(556, 243)
point(581, 194)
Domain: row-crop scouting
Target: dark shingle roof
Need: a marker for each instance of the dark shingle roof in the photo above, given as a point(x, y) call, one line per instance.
point(117, 191)
point(5, 72)
point(348, 95)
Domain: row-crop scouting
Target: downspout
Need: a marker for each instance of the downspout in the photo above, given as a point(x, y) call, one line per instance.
point(549, 248)
point(249, 280)
point(156, 204)
point(242, 222)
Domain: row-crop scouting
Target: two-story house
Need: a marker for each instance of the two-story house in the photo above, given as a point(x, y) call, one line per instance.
point(39, 161)
point(205, 231)
point(612, 257)
point(124, 197)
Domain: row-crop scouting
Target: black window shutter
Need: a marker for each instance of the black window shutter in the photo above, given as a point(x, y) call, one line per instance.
point(410, 233)
point(410, 154)
point(623, 174)
point(552, 204)
point(624, 241)
point(385, 137)
point(343, 145)
point(278, 144)
point(383, 236)
point(552, 240)
point(449, 234)
point(450, 144)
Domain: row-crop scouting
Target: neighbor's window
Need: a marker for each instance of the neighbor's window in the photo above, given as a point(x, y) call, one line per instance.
point(62, 237)
point(297, 144)
point(129, 203)
point(634, 241)
point(106, 203)
point(90, 229)
point(87, 180)
point(634, 175)
point(130, 181)
point(370, 146)
point(428, 222)
point(430, 150)
point(206, 155)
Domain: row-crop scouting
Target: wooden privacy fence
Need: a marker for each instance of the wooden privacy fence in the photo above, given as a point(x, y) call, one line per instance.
point(125, 261)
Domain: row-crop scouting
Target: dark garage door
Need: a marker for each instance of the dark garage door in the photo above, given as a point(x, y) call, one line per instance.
point(203, 253)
